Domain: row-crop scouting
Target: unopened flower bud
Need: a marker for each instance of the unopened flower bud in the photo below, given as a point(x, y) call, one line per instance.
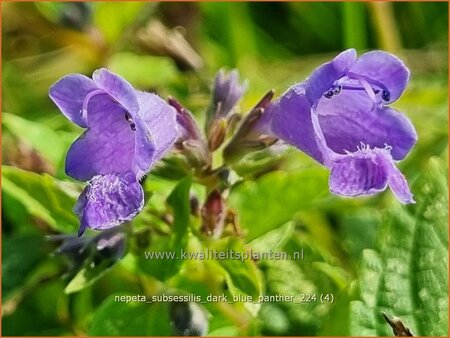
point(190, 140)
point(195, 205)
point(226, 93)
point(213, 215)
point(249, 136)
point(186, 122)
point(216, 134)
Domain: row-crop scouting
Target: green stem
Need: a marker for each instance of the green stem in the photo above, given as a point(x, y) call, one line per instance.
point(354, 25)
point(385, 26)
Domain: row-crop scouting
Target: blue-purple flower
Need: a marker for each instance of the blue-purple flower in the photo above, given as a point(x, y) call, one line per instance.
point(127, 131)
point(340, 116)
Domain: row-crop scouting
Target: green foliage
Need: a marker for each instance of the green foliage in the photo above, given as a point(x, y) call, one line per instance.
point(165, 267)
point(274, 199)
point(115, 318)
point(243, 274)
point(30, 197)
point(88, 275)
point(17, 261)
point(37, 135)
point(406, 275)
point(113, 18)
point(144, 71)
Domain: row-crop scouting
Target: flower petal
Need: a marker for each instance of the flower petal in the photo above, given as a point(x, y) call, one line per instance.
point(367, 172)
point(68, 94)
point(107, 147)
point(117, 88)
point(291, 121)
point(323, 77)
point(358, 174)
point(350, 118)
point(158, 125)
point(398, 184)
point(385, 69)
point(108, 201)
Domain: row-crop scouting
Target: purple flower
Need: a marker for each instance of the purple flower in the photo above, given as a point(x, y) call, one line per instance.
point(341, 118)
point(127, 131)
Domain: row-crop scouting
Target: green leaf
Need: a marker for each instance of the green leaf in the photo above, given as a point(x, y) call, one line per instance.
point(274, 199)
point(39, 136)
point(163, 267)
point(179, 201)
point(273, 240)
point(113, 18)
point(133, 318)
point(407, 276)
point(243, 273)
point(358, 230)
point(144, 71)
point(42, 197)
point(17, 261)
point(285, 277)
point(88, 275)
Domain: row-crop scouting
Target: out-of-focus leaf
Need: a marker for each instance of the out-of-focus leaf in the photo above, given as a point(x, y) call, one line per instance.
point(336, 324)
point(179, 201)
point(359, 230)
point(113, 18)
point(310, 270)
point(160, 265)
point(242, 272)
point(275, 198)
point(407, 276)
point(133, 318)
point(39, 313)
point(284, 277)
point(143, 71)
point(20, 255)
point(37, 135)
point(42, 196)
point(273, 240)
point(88, 275)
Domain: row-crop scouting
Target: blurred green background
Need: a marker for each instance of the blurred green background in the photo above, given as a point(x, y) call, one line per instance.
point(372, 254)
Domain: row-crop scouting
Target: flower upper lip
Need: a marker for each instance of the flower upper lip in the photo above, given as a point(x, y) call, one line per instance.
point(103, 102)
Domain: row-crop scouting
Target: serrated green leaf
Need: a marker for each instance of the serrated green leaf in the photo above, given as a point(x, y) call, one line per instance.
point(42, 197)
point(407, 276)
point(275, 198)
